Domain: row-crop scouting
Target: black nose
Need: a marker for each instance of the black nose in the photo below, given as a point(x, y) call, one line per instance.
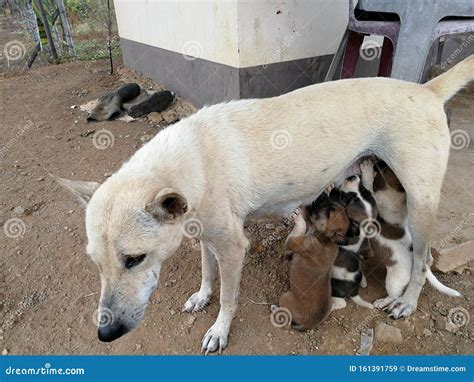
point(111, 332)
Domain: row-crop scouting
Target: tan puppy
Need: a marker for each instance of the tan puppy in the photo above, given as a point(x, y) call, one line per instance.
point(206, 174)
point(315, 247)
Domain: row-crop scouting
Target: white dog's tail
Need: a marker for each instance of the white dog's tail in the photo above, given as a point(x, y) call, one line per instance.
point(449, 83)
point(440, 286)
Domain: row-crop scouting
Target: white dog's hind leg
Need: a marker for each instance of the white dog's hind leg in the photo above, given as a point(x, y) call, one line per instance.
point(230, 255)
point(423, 194)
point(201, 298)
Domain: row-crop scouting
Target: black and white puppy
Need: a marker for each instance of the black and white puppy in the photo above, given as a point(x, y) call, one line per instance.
point(393, 244)
point(355, 193)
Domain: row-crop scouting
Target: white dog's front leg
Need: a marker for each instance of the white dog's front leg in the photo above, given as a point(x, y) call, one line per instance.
point(200, 299)
point(231, 260)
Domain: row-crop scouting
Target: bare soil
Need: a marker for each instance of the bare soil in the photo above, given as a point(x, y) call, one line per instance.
point(49, 288)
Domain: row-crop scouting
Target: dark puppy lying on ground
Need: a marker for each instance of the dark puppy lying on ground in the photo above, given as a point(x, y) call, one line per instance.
point(319, 229)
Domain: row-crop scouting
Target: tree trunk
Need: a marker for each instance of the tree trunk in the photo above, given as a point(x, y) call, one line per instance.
point(66, 27)
point(109, 37)
point(47, 29)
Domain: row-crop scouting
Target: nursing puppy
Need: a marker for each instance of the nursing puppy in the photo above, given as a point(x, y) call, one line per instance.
point(319, 229)
point(206, 174)
point(393, 244)
point(355, 194)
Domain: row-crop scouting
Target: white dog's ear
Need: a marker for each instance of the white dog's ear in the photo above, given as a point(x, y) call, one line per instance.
point(82, 190)
point(167, 204)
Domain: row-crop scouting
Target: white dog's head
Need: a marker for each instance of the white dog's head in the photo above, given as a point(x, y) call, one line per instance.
point(131, 230)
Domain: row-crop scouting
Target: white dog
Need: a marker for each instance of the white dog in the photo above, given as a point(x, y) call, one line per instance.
point(261, 156)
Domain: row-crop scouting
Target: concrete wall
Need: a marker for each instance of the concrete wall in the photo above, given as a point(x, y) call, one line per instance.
point(238, 33)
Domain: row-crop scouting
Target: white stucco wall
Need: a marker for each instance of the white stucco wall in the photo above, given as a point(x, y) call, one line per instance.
point(238, 33)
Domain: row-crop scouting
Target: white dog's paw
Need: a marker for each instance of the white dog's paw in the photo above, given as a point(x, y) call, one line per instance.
point(381, 303)
point(400, 308)
point(215, 339)
point(196, 302)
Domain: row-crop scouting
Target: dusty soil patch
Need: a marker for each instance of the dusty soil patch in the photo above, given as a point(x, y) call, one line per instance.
point(49, 287)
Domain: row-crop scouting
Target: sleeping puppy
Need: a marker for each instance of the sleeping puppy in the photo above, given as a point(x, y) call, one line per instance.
point(355, 195)
point(393, 244)
point(319, 229)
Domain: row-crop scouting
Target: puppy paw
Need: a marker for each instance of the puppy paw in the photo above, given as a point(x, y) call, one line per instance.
point(196, 302)
point(400, 308)
point(381, 303)
point(215, 339)
point(329, 188)
point(367, 171)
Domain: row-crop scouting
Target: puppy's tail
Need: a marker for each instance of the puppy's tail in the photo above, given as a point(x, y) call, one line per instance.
point(439, 286)
point(449, 83)
point(361, 302)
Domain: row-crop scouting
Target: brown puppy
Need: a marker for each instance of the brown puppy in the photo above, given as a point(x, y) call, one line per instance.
point(319, 229)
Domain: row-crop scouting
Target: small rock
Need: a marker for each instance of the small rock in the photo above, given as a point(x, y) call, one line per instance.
point(427, 333)
point(388, 333)
point(40, 179)
point(108, 174)
point(138, 346)
point(172, 312)
point(4, 352)
point(70, 212)
point(19, 210)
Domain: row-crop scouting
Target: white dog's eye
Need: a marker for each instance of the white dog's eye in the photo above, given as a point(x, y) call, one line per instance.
point(132, 261)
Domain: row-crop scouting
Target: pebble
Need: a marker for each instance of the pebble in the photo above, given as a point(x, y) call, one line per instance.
point(4, 352)
point(19, 210)
point(388, 333)
point(427, 333)
point(70, 212)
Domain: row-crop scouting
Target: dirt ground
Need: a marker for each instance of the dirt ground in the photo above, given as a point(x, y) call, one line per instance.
point(49, 288)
